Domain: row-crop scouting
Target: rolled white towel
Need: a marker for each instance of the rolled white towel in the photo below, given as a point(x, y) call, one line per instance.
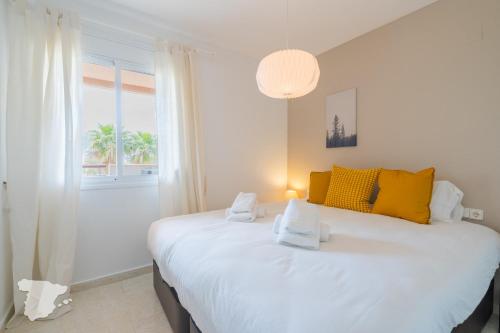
point(324, 228)
point(301, 217)
point(241, 217)
point(244, 203)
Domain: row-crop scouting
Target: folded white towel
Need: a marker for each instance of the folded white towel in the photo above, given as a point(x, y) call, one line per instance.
point(244, 203)
point(301, 217)
point(261, 211)
point(324, 228)
point(307, 242)
point(241, 217)
point(324, 232)
point(277, 223)
point(300, 225)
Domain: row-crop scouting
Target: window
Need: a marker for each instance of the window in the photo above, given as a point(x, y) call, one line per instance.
point(139, 123)
point(118, 122)
point(98, 121)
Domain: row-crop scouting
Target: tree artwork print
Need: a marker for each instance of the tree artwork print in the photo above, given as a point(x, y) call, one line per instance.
point(341, 119)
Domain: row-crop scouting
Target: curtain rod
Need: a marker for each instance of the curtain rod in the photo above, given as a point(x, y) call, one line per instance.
point(144, 48)
point(47, 9)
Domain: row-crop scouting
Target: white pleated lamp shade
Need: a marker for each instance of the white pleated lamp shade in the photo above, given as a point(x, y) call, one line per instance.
point(287, 73)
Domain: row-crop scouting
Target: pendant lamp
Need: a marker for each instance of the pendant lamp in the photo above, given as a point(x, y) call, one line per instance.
point(287, 73)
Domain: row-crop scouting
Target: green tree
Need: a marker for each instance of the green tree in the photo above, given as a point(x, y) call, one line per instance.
point(103, 143)
point(336, 131)
point(140, 147)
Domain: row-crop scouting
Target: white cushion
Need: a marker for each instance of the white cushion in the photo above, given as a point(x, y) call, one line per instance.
point(446, 202)
point(457, 213)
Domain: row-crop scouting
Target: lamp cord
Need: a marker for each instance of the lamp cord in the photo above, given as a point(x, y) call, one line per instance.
point(286, 23)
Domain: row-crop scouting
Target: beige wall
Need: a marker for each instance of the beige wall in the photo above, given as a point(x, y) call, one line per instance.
point(428, 95)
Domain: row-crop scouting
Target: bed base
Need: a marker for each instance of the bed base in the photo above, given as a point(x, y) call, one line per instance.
point(478, 319)
point(177, 316)
point(181, 322)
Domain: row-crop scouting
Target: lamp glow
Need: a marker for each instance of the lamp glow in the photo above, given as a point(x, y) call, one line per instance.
point(291, 194)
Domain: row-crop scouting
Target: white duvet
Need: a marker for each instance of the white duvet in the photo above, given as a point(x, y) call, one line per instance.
point(376, 274)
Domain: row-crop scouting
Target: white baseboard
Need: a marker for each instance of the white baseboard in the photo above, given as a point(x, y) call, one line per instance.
point(5, 317)
point(111, 278)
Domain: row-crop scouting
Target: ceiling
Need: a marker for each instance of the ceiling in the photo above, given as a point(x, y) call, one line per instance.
point(257, 27)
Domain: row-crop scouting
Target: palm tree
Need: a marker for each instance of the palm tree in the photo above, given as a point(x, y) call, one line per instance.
point(103, 143)
point(140, 147)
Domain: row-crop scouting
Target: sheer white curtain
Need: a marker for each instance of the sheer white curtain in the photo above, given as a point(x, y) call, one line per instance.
point(180, 150)
point(42, 143)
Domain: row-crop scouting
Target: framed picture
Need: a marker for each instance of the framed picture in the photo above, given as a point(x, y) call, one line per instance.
point(341, 128)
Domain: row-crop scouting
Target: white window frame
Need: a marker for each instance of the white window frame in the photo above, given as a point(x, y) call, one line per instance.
point(119, 180)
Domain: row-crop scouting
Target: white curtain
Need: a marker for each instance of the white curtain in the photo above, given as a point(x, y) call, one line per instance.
point(42, 143)
point(180, 150)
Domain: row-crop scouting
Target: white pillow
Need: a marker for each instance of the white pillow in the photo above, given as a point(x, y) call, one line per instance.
point(446, 202)
point(457, 213)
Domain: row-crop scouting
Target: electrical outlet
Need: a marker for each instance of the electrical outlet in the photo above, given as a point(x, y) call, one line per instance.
point(475, 214)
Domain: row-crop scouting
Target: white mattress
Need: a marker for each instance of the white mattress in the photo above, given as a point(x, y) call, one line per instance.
point(376, 274)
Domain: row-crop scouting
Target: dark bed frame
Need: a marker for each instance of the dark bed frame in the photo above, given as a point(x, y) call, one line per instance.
point(181, 321)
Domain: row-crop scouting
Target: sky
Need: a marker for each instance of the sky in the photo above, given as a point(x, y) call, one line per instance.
point(138, 109)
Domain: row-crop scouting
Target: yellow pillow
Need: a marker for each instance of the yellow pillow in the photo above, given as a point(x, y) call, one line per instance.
point(351, 188)
point(405, 194)
point(318, 186)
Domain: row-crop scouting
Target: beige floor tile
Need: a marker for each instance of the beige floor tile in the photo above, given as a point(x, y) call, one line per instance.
point(143, 305)
point(139, 282)
point(492, 325)
point(155, 324)
point(128, 306)
point(39, 326)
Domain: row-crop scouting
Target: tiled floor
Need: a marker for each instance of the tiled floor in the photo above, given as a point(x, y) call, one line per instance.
point(129, 306)
point(492, 325)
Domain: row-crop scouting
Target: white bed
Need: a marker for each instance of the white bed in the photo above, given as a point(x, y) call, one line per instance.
point(376, 274)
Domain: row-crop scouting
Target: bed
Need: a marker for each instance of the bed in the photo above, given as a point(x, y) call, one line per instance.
point(376, 274)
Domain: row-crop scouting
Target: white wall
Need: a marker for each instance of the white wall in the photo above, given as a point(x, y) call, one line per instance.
point(245, 132)
point(5, 253)
point(112, 227)
point(245, 142)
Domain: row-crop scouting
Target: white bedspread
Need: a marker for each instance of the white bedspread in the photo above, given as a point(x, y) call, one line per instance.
point(376, 274)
